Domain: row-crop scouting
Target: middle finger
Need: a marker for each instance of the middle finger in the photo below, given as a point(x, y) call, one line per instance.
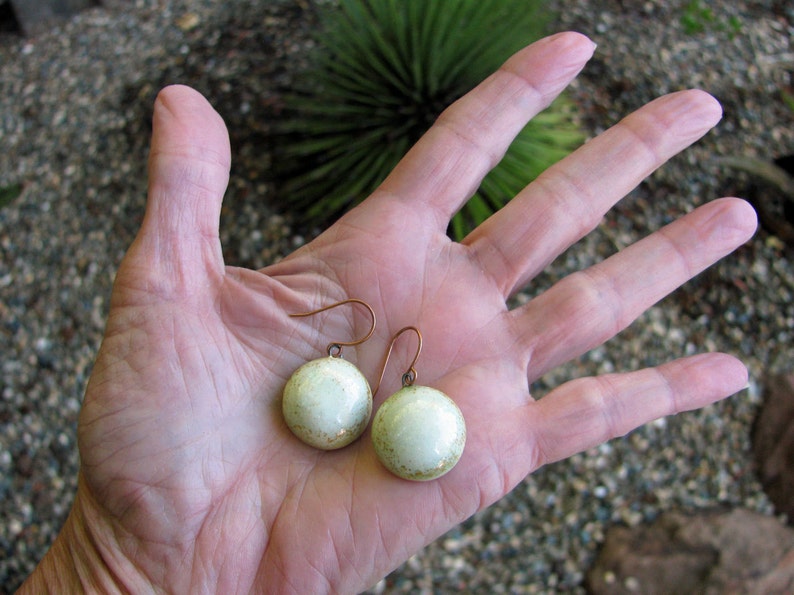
point(568, 200)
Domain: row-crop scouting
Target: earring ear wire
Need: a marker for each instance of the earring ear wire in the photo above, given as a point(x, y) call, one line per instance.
point(410, 376)
point(327, 402)
point(334, 348)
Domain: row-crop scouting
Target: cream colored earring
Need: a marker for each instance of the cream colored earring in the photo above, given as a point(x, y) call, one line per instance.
point(418, 432)
point(327, 402)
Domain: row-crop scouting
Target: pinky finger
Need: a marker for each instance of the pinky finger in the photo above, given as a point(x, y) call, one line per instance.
point(589, 411)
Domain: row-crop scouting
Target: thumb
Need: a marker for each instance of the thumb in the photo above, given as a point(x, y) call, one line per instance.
point(189, 166)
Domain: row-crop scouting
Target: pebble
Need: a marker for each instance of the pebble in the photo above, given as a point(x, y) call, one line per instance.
point(75, 109)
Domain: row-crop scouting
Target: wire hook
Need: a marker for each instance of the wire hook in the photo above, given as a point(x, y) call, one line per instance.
point(334, 348)
point(409, 377)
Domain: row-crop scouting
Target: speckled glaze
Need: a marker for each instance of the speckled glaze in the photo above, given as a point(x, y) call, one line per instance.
point(327, 403)
point(419, 433)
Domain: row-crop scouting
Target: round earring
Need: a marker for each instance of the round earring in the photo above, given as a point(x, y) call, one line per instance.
point(327, 402)
point(419, 432)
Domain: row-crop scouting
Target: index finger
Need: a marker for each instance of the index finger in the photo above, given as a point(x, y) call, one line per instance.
point(470, 137)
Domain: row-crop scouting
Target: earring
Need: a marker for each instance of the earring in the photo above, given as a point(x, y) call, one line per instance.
point(418, 432)
point(327, 402)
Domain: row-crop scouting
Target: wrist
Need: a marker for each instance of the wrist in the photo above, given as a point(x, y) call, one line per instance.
point(76, 562)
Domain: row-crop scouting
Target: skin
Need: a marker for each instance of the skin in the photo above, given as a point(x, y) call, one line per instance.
point(190, 480)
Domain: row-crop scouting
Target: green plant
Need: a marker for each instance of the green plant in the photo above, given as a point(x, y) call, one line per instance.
point(788, 99)
point(697, 18)
point(382, 72)
point(9, 193)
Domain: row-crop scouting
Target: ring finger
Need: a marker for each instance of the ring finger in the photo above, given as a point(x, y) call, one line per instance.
point(591, 306)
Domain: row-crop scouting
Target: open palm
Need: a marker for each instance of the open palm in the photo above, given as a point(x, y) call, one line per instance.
point(190, 479)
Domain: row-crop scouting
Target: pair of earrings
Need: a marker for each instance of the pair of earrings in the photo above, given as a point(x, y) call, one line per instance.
point(418, 432)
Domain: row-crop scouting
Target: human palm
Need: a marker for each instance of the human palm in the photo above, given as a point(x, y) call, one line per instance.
point(191, 480)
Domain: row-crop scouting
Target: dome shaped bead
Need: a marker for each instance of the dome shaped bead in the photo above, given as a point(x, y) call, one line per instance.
point(327, 403)
point(419, 433)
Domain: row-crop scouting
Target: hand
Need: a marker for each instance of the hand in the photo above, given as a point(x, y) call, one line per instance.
point(191, 481)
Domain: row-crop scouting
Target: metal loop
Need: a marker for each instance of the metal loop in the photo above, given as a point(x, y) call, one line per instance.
point(334, 348)
point(409, 377)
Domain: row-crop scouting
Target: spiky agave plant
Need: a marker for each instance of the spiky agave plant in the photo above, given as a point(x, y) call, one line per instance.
point(383, 70)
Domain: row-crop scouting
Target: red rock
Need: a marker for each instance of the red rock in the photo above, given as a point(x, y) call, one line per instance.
point(773, 443)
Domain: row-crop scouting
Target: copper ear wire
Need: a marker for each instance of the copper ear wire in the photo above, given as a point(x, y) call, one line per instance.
point(334, 349)
point(409, 377)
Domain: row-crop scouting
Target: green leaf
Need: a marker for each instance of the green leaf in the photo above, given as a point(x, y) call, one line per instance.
point(9, 193)
point(381, 73)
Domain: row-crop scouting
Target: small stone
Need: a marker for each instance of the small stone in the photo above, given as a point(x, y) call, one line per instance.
point(188, 21)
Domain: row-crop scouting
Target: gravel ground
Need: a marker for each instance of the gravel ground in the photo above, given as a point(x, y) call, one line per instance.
point(74, 124)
